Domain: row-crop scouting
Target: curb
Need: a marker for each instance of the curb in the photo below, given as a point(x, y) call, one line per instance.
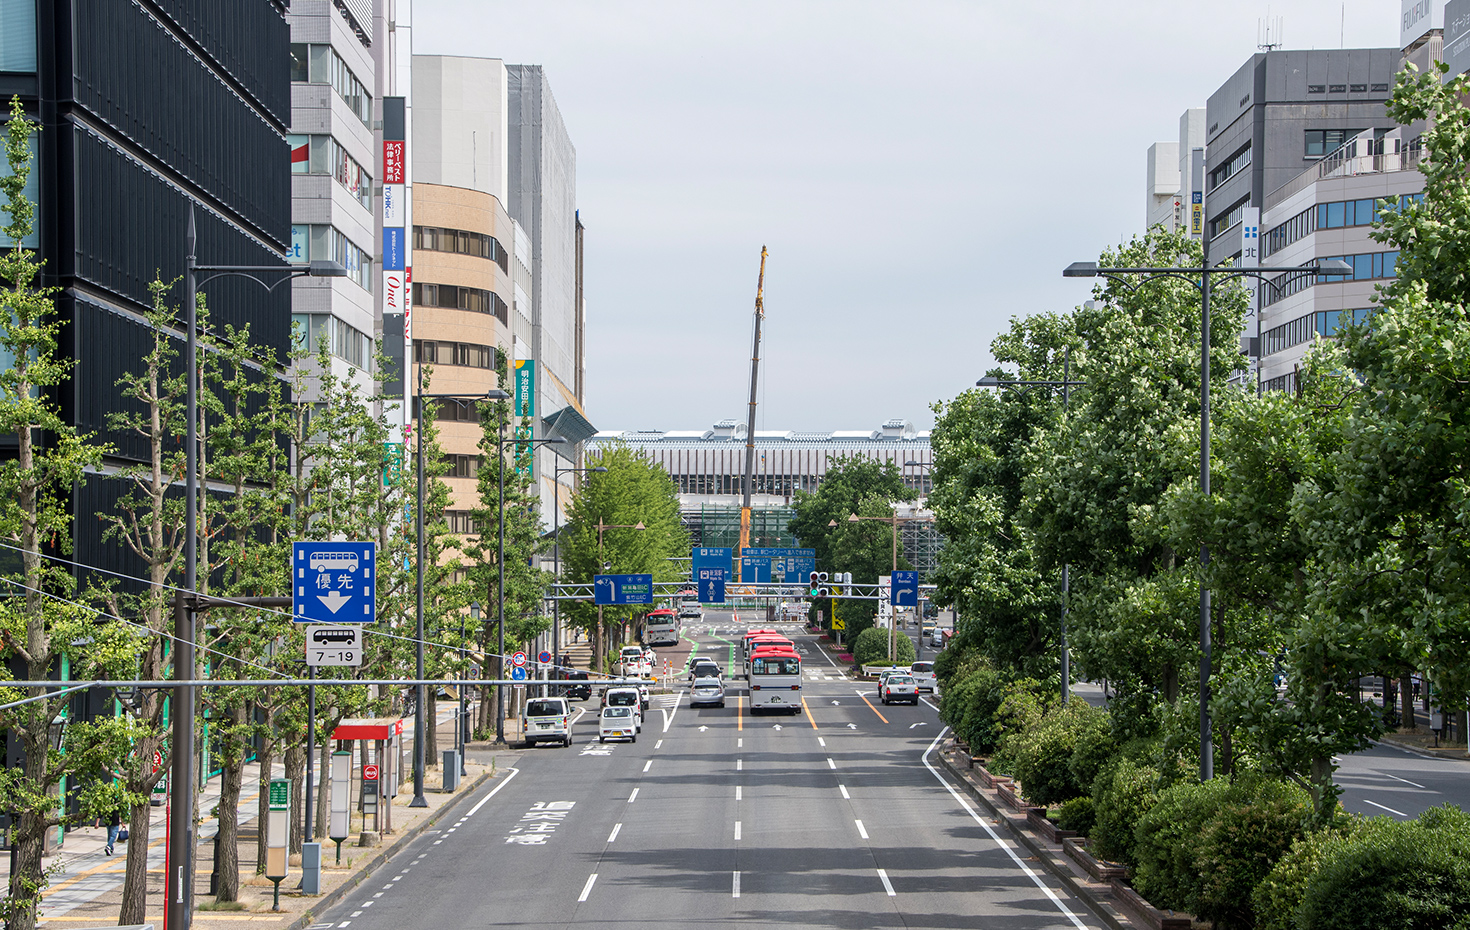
point(1101, 908)
point(330, 899)
point(1392, 744)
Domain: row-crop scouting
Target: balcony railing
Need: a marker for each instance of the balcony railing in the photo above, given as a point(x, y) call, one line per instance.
point(1360, 155)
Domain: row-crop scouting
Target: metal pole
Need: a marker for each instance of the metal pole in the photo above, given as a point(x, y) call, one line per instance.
point(892, 607)
point(420, 694)
point(461, 737)
point(556, 553)
point(1066, 567)
point(500, 585)
point(179, 887)
point(1206, 739)
point(310, 751)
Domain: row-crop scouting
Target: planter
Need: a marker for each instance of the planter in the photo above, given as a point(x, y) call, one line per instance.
point(1007, 792)
point(1036, 818)
point(988, 779)
point(1152, 916)
point(1099, 870)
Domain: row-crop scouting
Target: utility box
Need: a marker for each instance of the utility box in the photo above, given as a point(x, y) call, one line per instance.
point(311, 868)
point(450, 765)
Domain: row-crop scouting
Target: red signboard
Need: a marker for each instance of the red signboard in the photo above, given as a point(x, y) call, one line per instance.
point(393, 161)
point(370, 772)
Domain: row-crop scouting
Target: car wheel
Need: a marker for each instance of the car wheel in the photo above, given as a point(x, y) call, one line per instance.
point(722, 703)
point(634, 739)
point(567, 742)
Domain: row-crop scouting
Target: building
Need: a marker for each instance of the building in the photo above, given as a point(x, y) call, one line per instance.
point(1169, 183)
point(708, 468)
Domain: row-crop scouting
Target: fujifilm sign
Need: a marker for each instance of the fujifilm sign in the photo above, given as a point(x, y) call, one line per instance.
point(1419, 16)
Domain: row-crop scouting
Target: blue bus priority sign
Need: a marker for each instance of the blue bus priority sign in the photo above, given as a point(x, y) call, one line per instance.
point(333, 582)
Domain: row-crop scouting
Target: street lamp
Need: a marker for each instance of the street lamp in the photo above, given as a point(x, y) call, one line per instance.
point(556, 472)
point(609, 526)
point(893, 520)
point(1204, 272)
point(419, 693)
point(1066, 384)
point(179, 904)
point(530, 444)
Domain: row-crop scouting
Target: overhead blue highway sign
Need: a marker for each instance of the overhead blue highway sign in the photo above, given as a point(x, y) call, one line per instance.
point(711, 582)
point(622, 589)
point(333, 582)
point(905, 589)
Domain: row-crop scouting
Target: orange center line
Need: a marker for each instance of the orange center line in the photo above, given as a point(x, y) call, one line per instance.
point(808, 712)
point(739, 716)
point(873, 709)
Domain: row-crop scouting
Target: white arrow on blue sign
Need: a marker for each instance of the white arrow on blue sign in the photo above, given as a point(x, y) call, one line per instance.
point(333, 582)
point(905, 589)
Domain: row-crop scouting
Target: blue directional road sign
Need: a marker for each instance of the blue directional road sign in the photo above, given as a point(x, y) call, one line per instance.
point(711, 582)
point(518, 674)
point(905, 589)
point(755, 569)
point(710, 557)
point(333, 582)
point(622, 589)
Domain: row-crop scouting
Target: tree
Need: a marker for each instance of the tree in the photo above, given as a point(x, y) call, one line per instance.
point(848, 481)
point(39, 626)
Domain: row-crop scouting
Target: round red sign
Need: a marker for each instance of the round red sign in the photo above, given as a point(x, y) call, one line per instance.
point(370, 772)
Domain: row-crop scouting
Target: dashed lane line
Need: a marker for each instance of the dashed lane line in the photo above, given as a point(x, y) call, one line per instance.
point(587, 888)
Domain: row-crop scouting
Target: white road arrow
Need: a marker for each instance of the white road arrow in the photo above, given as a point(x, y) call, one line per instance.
point(836, 704)
point(775, 726)
point(334, 600)
point(852, 726)
point(702, 729)
point(920, 724)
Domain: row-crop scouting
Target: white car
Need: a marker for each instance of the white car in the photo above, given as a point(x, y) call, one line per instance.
point(899, 687)
point(617, 721)
point(625, 696)
point(707, 691)
point(923, 673)
point(547, 720)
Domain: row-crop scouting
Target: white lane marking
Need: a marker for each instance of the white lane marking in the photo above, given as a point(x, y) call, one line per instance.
point(587, 888)
point(633, 797)
point(509, 774)
point(887, 885)
point(580, 712)
point(355, 914)
point(658, 744)
point(394, 879)
point(344, 923)
point(614, 835)
point(737, 829)
point(739, 765)
point(647, 764)
point(366, 904)
point(845, 795)
point(926, 701)
point(821, 742)
point(437, 842)
point(386, 887)
point(451, 829)
point(669, 715)
point(737, 792)
point(862, 832)
point(407, 869)
point(831, 765)
point(735, 887)
point(739, 742)
point(1382, 807)
point(995, 837)
point(829, 659)
point(1406, 781)
point(378, 895)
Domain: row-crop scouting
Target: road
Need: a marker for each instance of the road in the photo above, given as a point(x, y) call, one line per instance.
point(837, 817)
point(1386, 780)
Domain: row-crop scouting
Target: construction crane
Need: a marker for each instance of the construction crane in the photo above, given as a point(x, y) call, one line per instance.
point(755, 364)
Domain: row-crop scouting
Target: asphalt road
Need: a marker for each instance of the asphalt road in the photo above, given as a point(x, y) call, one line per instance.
point(1385, 780)
point(838, 817)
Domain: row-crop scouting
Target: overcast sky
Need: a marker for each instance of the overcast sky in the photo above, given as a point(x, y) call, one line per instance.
point(920, 171)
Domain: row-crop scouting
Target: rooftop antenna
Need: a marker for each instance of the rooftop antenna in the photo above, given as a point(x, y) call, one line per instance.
point(1268, 32)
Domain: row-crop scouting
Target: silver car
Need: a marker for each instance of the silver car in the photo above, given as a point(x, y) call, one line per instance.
point(707, 691)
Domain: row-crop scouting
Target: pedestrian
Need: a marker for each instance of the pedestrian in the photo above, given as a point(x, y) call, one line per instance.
point(114, 825)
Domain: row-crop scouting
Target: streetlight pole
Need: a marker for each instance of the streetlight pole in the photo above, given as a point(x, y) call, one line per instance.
point(1066, 385)
point(179, 886)
point(556, 472)
point(919, 642)
point(420, 695)
point(1203, 273)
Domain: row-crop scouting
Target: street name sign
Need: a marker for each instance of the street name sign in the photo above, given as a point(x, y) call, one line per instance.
point(333, 582)
point(709, 557)
point(622, 589)
point(905, 589)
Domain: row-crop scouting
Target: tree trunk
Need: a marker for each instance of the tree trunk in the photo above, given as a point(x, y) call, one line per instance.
point(232, 774)
point(295, 770)
point(1171, 684)
point(267, 762)
point(321, 796)
point(135, 873)
point(1406, 700)
point(431, 731)
point(29, 879)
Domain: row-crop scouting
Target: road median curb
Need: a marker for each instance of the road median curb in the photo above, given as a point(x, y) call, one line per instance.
point(330, 899)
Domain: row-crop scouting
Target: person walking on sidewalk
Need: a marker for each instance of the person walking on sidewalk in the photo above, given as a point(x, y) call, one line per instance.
point(114, 825)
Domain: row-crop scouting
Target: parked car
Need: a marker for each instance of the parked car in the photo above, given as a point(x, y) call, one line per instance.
point(617, 722)
point(707, 691)
point(577, 687)
point(898, 687)
point(923, 673)
point(547, 720)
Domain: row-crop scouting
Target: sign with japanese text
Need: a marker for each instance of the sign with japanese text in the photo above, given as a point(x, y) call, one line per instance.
point(393, 165)
point(333, 582)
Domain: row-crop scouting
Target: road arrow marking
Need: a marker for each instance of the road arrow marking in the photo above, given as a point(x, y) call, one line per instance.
point(334, 600)
point(852, 726)
point(702, 729)
point(920, 724)
point(775, 726)
point(836, 703)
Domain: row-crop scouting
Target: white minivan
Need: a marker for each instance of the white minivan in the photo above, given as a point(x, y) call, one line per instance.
point(625, 696)
point(547, 720)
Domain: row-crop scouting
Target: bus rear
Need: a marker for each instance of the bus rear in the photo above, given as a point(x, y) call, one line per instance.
point(764, 640)
point(661, 628)
point(775, 679)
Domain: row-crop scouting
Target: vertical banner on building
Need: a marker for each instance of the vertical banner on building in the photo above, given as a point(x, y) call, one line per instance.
point(397, 333)
point(1250, 237)
point(524, 376)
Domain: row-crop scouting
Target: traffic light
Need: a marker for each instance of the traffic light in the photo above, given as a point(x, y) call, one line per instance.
point(815, 582)
point(846, 580)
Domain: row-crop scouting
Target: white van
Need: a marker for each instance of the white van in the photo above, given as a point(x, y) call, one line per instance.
point(547, 720)
point(617, 722)
point(626, 696)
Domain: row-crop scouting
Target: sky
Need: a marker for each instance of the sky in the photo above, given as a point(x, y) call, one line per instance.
point(920, 172)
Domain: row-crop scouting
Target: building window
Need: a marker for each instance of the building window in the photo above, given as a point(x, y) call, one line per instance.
point(474, 299)
point(320, 64)
point(1358, 88)
point(1380, 88)
point(18, 35)
point(1323, 323)
point(1286, 382)
point(345, 342)
point(461, 522)
point(1366, 267)
point(462, 242)
point(1316, 88)
point(1231, 216)
point(1337, 88)
point(1322, 141)
point(32, 191)
point(321, 154)
point(1236, 162)
point(461, 466)
point(462, 354)
point(327, 243)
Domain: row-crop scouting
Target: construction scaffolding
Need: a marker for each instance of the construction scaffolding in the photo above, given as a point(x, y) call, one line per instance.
point(714, 525)
point(921, 543)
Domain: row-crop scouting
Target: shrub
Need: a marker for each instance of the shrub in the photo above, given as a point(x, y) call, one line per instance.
point(1123, 793)
point(969, 705)
point(1239, 847)
point(1042, 751)
point(1166, 838)
point(1277, 896)
point(1023, 704)
point(1411, 874)
point(1077, 815)
point(871, 648)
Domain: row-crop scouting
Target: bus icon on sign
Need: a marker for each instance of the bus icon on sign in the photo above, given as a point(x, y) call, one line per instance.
point(331, 635)
point(333, 561)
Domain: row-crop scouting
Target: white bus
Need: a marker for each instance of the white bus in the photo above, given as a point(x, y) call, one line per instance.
point(775, 679)
point(661, 628)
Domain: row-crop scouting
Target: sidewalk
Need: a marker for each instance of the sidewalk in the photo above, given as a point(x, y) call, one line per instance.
point(87, 889)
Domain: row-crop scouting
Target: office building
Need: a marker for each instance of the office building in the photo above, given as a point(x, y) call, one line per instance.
point(1169, 183)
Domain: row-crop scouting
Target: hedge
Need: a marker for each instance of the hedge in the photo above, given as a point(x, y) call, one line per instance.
point(871, 648)
point(1057, 758)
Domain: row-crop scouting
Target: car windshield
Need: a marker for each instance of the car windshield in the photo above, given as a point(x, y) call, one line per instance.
point(616, 711)
point(544, 709)
point(632, 652)
point(707, 683)
point(623, 698)
point(900, 680)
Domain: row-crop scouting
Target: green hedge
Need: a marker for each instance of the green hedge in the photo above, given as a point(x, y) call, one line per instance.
point(1058, 757)
point(1077, 815)
point(1123, 793)
point(871, 648)
point(970, 700)
point(1278, 896)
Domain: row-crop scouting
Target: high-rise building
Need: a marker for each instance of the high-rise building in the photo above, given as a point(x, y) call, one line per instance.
point(1170, 185)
